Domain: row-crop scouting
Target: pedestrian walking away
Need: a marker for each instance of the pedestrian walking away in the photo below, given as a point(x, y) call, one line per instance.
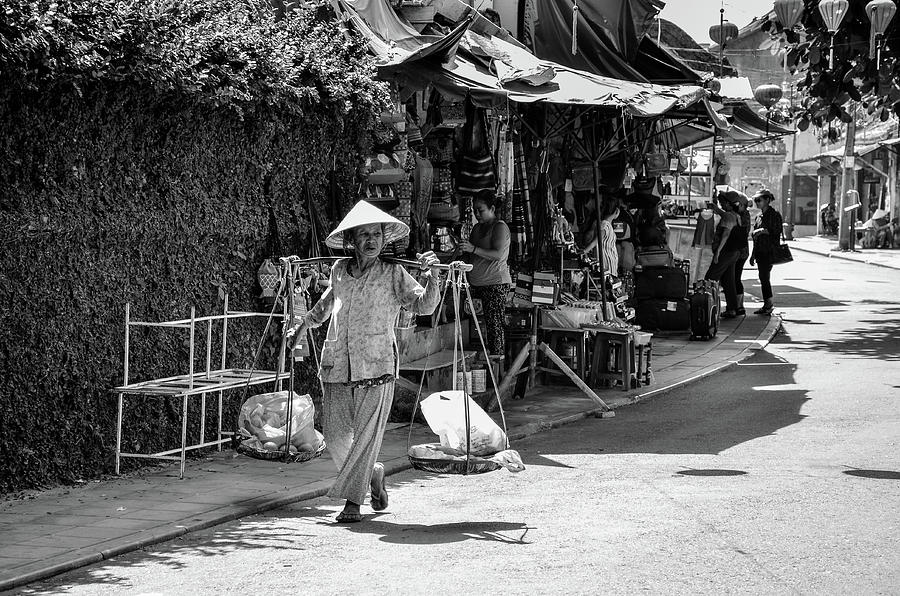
point(766, 233)
point(360, 360)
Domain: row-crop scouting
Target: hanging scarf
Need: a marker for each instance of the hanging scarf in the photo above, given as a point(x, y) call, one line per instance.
point(520, 225)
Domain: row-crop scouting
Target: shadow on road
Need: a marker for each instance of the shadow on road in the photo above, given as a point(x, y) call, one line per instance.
point(754, 399)
point(712, 472)
point(442, 533)
point(793, 297)
point(876, 474)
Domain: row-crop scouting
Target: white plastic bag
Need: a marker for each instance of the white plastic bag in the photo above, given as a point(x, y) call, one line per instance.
point(264, 417)
point(445, 413)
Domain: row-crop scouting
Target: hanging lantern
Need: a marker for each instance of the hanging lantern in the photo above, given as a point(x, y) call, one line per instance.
point(788, 12)
point(833, 13)
point(880, 13)
point(723, 33)
point(768, 95)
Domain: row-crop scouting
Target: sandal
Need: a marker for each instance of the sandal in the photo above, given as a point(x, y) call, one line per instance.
point(346, 517)
point(379, 500)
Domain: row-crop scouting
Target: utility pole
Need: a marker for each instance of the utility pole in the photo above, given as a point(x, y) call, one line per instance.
point(789, 216)
point(848, 183)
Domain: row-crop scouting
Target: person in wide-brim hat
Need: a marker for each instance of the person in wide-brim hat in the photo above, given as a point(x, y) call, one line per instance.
point(365, 213)
point(359, 361)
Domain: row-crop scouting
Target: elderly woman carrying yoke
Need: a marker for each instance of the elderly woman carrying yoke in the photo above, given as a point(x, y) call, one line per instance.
point(360, 360)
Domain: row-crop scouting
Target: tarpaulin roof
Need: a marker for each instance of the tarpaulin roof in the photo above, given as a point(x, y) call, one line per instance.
point(489, 68)
point(609, 35)
point(743, 126)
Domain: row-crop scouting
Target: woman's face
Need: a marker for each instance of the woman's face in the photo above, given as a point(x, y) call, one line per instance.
point(368, 240)
point(483, 213)
point(762, 202)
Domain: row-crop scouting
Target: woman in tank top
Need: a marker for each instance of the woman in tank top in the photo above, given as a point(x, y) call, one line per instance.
point(489, 279)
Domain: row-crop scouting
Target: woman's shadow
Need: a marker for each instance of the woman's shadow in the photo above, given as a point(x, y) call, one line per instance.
point(507, 532)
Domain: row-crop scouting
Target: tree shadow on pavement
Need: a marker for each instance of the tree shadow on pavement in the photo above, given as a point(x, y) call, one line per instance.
point(877, 339)
point(506, 532)
point(264, 532)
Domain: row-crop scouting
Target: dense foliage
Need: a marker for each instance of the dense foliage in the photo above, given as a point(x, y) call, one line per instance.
point(141, 146)
point(855, 76)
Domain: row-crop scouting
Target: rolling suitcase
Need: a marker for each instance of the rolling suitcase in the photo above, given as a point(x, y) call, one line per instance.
point(661, 283)
point(705, 309)
point(662, 314)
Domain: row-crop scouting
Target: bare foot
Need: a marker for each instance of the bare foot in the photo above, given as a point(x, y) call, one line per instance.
point(379, 499)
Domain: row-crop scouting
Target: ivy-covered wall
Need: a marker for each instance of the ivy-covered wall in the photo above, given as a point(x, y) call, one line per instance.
point(115, 191)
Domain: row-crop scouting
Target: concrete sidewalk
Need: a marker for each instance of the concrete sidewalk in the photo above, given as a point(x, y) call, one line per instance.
point(827, 246)
point(66, 528)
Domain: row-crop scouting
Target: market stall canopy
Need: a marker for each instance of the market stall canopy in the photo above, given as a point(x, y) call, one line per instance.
point(838, 152)
point(749, 127)
point(610, 33)
point(743, 126)
point(734, 88)
point(491, 69)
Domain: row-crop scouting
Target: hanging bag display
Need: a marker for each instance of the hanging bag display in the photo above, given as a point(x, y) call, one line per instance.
point(476, 165)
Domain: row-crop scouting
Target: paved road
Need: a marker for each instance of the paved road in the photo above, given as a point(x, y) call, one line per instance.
point(781, 475)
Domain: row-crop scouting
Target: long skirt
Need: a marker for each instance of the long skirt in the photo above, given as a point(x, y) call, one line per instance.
point(354, 419)
point(493, 303)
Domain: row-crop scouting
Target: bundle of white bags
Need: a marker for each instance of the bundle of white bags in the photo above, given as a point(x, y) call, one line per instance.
point(263, 423)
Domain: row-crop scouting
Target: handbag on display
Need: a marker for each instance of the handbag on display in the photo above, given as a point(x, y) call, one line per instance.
point(656, 164)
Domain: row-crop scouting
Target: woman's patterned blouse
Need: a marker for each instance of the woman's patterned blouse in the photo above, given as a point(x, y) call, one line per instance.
point(360, 343)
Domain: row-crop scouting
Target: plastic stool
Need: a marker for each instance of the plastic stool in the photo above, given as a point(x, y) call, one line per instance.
point(612, 362)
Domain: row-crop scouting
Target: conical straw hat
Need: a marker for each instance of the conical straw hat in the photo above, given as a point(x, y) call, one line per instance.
point(364, 213)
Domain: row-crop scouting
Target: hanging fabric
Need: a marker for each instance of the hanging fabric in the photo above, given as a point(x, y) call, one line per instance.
point(423, 180)
point(520, 225)
point(506, 171)
point(476, 164)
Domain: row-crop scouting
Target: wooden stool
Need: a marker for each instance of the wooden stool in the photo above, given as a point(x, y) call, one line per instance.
point(554, 336)
point(612, 362)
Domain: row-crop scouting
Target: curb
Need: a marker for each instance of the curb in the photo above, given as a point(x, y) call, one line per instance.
point(394, 466)
point(835, 254)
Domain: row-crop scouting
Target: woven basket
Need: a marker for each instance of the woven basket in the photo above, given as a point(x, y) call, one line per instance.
point(450, 466)
point(475, 465)
point(265, 454)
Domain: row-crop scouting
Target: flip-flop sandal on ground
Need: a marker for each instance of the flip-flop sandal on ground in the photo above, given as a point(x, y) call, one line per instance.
point(379, 500)
point(345, 517)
